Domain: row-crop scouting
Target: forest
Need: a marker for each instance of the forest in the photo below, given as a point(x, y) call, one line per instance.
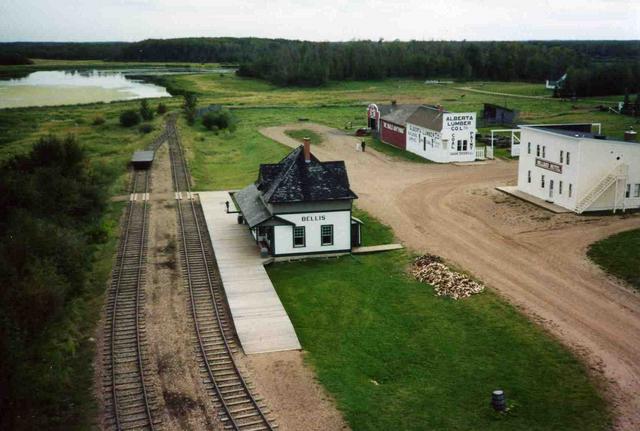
point(593, 67)
point(51, 206)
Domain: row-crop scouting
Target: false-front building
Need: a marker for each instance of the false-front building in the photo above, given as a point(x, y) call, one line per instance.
point(579, 170)
point(301, 206)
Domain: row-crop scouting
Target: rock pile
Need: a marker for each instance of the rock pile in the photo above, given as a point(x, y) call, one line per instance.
point(430, 269)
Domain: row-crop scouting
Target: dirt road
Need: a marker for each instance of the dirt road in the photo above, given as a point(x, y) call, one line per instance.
point(532, 257)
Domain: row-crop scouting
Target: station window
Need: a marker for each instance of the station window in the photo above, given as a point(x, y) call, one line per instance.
point(561, 156)
point(299, 236)
point(636, 191)
point(538, 150)
point(627, 192)
point(529, 148)
point(560, 187)
point(529, 177)
point(568, 155)
point(542, 181)
point(570, 186)
point(326, 234)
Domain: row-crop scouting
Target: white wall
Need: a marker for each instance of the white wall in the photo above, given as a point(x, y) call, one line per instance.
point(341, 221)
point(553, 145)
point(590, 161)
point(441, 147)
point(426, 143)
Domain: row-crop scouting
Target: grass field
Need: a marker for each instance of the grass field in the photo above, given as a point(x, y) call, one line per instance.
point(396, 357)
point(619, 255)
point(300, 134)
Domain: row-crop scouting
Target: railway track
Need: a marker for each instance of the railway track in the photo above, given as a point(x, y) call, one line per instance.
point(237, 406)
point(130, 402)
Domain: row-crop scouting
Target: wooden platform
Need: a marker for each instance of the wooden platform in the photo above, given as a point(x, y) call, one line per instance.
point(376, 248)
point(513, 191)
point(260, 319)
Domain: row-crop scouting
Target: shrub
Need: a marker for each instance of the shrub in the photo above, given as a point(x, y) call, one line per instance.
point(145, 111)
point(189, 106)
point(219, 120)
point(98, 120)
point(129, 118)
point(145, 128)
point(162, 108)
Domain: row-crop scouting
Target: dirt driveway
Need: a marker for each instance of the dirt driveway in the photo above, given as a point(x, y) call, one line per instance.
point(534, 258)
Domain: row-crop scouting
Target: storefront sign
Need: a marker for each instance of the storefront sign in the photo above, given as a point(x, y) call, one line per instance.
point(313, 218)
point(550, 166)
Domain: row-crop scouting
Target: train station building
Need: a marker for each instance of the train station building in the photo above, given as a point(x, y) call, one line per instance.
point(300, 206)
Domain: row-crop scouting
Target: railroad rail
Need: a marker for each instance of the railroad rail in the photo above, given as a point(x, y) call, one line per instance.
point(130, 401)
point(238, 408)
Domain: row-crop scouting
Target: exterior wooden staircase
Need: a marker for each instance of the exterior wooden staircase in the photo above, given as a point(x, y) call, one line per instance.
point(617, 174)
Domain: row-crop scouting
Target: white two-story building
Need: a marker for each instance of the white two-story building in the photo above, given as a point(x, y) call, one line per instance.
point(301, 206)
point(442, 136)
point(579, 170)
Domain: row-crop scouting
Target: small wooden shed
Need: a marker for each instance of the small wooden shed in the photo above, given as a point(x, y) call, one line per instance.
point(142, 159)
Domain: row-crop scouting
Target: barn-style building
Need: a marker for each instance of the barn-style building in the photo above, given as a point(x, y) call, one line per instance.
point(496, 114)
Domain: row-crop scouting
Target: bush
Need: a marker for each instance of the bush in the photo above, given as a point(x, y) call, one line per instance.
point(129, 118)
point(219, 120)
point(145, 111)
point(189, 106)
point(98, 120)
point(146, 128)
point(162, 108)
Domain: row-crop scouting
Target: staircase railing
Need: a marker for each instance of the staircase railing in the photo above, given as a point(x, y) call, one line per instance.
point(619, 172)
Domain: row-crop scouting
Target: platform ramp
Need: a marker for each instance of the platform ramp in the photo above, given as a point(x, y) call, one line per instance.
point(261, 322)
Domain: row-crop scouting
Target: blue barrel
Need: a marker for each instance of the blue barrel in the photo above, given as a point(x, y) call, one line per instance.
point(498, 400)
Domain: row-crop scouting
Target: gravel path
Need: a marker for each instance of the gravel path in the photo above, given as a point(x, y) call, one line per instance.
point(532, 257)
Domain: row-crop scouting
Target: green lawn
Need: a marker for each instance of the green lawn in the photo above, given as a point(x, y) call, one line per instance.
point(396, 357)
point(619, 255)
point(300, 134)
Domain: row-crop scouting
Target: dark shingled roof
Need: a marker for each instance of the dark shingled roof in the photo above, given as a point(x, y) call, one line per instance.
point(251, 205)
point(429, 117)
point(294, 180)
point(399, 114)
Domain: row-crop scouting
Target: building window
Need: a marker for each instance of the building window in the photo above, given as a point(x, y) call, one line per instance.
point(529, 177)
point(424, 144)
point(560, 187)
point(627, 193)
point(464, 145)
point(568, 155)
point(298, 236)
point(561, 156)
point(326, 234)
point(459, 145)
point(529, 148)
point(538, 150)
point(542, 181)
point(544, 151)
point(570, 186)
point(636, 191)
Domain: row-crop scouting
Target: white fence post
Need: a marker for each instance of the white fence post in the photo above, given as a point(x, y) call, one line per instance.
point(480, 153)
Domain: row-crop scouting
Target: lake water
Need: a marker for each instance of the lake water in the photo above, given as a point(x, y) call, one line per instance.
point(46, 88)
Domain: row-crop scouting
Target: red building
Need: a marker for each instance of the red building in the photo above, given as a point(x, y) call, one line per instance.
point(389, 122)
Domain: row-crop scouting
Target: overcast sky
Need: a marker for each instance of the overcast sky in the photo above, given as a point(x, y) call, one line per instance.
point(131, 20)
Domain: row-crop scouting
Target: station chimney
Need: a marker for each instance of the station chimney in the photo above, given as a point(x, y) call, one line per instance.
point(307, 150)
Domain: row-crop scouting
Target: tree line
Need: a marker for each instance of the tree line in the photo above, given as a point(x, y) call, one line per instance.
point(593, 67)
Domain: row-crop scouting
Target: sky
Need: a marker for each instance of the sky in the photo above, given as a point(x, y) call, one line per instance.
point(319, 20)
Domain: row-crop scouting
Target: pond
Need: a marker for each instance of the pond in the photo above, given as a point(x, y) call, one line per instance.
point(67, 87)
